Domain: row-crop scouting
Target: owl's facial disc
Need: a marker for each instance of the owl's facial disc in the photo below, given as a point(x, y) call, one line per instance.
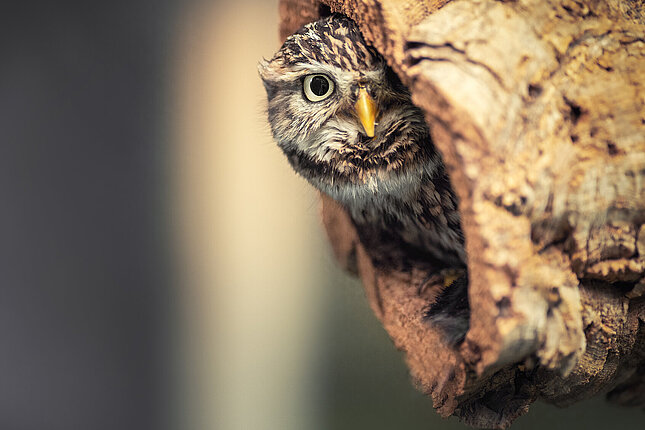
point(341, 116)
point(317, 87)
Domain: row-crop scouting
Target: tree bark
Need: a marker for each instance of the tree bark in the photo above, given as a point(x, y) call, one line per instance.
point(538, 108)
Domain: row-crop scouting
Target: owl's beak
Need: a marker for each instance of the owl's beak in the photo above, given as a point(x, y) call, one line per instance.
point(366, 110)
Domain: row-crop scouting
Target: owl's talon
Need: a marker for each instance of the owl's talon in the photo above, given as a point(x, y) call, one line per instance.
point(450, 276)
point(446, 276)
point(427, 282)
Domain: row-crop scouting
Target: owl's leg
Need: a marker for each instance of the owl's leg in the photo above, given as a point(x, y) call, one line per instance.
point(451, 311)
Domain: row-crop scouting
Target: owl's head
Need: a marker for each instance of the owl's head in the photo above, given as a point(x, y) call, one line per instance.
point(339, 113)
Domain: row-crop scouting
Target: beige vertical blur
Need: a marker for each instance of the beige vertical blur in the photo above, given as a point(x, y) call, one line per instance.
point(249, 233)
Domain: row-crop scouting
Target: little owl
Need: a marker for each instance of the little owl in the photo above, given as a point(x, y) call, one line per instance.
point(348, 126)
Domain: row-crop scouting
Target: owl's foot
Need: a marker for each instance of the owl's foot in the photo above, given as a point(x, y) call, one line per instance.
point(428, 282)
point(446, 277)
point(451, 311)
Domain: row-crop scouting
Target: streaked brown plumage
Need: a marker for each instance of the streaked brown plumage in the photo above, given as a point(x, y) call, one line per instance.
point(348, 126)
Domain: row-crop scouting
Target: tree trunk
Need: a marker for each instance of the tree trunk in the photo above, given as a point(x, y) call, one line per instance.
point(537, 107)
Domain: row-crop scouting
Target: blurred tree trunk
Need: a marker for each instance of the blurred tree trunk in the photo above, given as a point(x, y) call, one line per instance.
point(538, 109)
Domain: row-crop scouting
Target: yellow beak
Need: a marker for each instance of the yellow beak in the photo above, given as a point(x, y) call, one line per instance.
point(366, 110)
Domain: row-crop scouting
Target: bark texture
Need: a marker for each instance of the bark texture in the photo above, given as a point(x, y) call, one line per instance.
point(538, 107)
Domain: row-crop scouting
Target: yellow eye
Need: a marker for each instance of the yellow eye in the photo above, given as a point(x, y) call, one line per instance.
point(317, 87)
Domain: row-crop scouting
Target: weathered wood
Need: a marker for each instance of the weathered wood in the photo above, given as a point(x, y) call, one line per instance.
point(538, 107)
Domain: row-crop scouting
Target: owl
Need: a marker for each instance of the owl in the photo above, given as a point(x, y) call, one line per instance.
point(348, 126)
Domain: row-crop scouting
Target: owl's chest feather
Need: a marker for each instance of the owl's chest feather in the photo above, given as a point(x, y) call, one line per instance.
point(423, 214)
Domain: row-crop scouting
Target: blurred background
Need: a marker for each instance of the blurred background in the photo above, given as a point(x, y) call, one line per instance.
point(161, 266)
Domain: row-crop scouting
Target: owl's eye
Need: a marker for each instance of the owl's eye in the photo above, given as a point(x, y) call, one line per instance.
point(317, 87)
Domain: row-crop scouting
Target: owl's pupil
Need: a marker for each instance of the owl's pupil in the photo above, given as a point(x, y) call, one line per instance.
point(319, 86)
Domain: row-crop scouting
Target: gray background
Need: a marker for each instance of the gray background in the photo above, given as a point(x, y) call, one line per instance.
point(94, 313)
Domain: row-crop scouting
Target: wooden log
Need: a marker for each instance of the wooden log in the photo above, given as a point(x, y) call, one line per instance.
point(538, 108)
